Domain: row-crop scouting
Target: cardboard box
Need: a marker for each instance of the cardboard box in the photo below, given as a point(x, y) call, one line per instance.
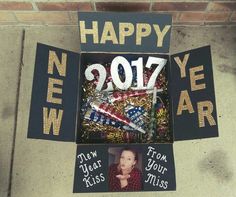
point(59, 88)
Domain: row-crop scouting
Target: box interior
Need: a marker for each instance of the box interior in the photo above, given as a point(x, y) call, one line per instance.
point(95, 131)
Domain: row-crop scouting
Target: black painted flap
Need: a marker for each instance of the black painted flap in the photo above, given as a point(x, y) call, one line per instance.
point(98, 168)
point(192, 95)
point(124, 32)
point(54, 94)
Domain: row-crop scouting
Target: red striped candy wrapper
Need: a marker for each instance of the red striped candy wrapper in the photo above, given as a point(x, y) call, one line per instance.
point(120, 96)
point(110, 112)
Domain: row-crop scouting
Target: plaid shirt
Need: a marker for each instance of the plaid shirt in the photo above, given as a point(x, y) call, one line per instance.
point(134, 182)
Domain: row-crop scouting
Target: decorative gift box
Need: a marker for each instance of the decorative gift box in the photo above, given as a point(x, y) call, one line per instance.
point(124, 100)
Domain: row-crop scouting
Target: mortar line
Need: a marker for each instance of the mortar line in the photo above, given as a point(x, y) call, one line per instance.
point(35, 7)
point(94, 6)
point(16, 112)
point(150, 6)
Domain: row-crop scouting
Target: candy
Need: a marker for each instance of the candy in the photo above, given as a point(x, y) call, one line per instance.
point(109, 111)
point(101, 119)
point(121, 95)
point(136, 114)
point(93, 132)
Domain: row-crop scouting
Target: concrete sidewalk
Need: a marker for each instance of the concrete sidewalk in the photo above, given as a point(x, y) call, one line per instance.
point(46, 168)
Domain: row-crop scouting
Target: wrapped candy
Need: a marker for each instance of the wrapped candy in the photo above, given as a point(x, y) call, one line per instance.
point(101, 119)
point(109, 111)
point(99, 133)
point(122, 95)
point(136, 114)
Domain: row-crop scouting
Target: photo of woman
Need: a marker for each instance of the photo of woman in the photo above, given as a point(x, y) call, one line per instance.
point(125, 175)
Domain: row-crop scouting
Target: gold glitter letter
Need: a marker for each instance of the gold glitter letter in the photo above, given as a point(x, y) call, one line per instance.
point(52, 119)
point(194, 78)
point(52, 89)
point(109, 33)
point(125, 29)
point(182, 64)
point(84, 32)
point(184, 98)
point(61, 65)
point(205, 113)
point(143, 30)
point(161, 34)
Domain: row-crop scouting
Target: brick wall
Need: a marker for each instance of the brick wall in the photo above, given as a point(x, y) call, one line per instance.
point(190, 12)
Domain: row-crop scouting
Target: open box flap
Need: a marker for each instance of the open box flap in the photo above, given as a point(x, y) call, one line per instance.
point(54, 94)
point(93, 167)
point(124, 32)
point(193, 96)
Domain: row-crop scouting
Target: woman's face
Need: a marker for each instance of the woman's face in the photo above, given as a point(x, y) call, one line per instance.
point(127, 160)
